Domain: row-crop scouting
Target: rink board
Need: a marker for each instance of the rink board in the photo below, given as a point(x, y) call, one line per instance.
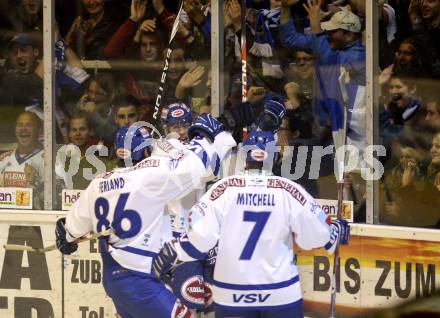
point(48, 285)
point(381, 267)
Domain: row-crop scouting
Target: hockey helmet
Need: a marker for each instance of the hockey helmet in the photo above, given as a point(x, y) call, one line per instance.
point(259, 146)
point(131, 142)
point(178, 113)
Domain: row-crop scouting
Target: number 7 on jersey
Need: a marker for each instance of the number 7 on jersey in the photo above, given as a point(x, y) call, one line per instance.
point(260, 219)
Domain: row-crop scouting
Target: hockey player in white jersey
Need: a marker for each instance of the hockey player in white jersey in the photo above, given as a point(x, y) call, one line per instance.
point(187, 282)
point(131, 201)
point(252, 217)
point(178, 121)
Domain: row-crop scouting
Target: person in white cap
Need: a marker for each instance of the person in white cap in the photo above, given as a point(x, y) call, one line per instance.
point(337, 46)
point(342, 29)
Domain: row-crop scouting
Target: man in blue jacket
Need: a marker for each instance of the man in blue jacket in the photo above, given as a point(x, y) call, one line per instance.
point(337, 46)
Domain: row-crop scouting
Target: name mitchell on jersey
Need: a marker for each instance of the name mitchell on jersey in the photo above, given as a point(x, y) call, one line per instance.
point(256, 199)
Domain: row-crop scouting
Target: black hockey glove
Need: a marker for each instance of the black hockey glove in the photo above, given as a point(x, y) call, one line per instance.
point(165, 261)
point(63, 246)
point(241, 116)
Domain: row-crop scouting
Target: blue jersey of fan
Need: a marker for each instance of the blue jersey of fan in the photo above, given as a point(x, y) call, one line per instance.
point(132, 200)
point(253, 217)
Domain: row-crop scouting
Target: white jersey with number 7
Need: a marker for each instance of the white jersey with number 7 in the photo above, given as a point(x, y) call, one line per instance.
point(253, 217)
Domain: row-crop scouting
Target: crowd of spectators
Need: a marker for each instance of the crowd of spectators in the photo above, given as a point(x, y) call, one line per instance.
point(409, 112)
point(306, 53)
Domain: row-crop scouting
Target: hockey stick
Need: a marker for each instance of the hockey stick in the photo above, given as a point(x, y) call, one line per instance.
point(88, 237)
point(243, 60)
point(158, 106)
point(339, 139)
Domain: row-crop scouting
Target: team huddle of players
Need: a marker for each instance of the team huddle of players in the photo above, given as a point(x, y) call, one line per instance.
point(228, 250)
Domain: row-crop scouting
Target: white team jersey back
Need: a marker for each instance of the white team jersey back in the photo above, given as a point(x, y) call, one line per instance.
point(132, 201)
point(253, 217)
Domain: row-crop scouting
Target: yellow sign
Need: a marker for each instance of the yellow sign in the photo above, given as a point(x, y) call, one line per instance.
point(22, 198)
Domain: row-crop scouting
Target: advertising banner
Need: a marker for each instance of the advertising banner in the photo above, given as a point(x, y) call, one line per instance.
point(47, 284)
point(15, 198)
point(331, 207)
point(375, 273)
point(68, 198)
point(83, 291)
point(30, 283)
point(379, 268)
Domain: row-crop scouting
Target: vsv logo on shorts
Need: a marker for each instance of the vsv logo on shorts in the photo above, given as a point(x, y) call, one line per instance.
point(250, 298)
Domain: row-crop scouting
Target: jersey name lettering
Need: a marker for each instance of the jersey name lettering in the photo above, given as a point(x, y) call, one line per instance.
point(220, 189)
point(111, 184)
point(256, 199)
point(281, 184)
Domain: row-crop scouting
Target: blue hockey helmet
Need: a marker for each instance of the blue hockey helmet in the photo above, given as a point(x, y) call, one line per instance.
point(260, 145)
point(131, 142)
point(178, 113)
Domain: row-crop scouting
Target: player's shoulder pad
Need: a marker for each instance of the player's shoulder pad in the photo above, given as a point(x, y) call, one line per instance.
point(5, 154)
point(219, 188)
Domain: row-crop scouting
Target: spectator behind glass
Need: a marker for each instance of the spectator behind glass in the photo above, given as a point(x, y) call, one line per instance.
point(403, 99)
point(402, 113)
point(89, 34)
point(415, 192)
point(407, 57)
point(125, 112)
point(294, 163)
point(433, 110)
point(387, 30)
point(434, 178)
point(425, 20)
point(28, 17)
point(339, 46)
point(295, 98)
point(23, 53)
point(98, 103)
point(145, 40)
point(23, 167)
point(20, 85)
point(302, 71)
point(80, 135)
point(142, 42)
point(150, 46)
point(434, 167)
point(408, 189)
point(182, 75)
point(80, 131)
point(20, 16)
